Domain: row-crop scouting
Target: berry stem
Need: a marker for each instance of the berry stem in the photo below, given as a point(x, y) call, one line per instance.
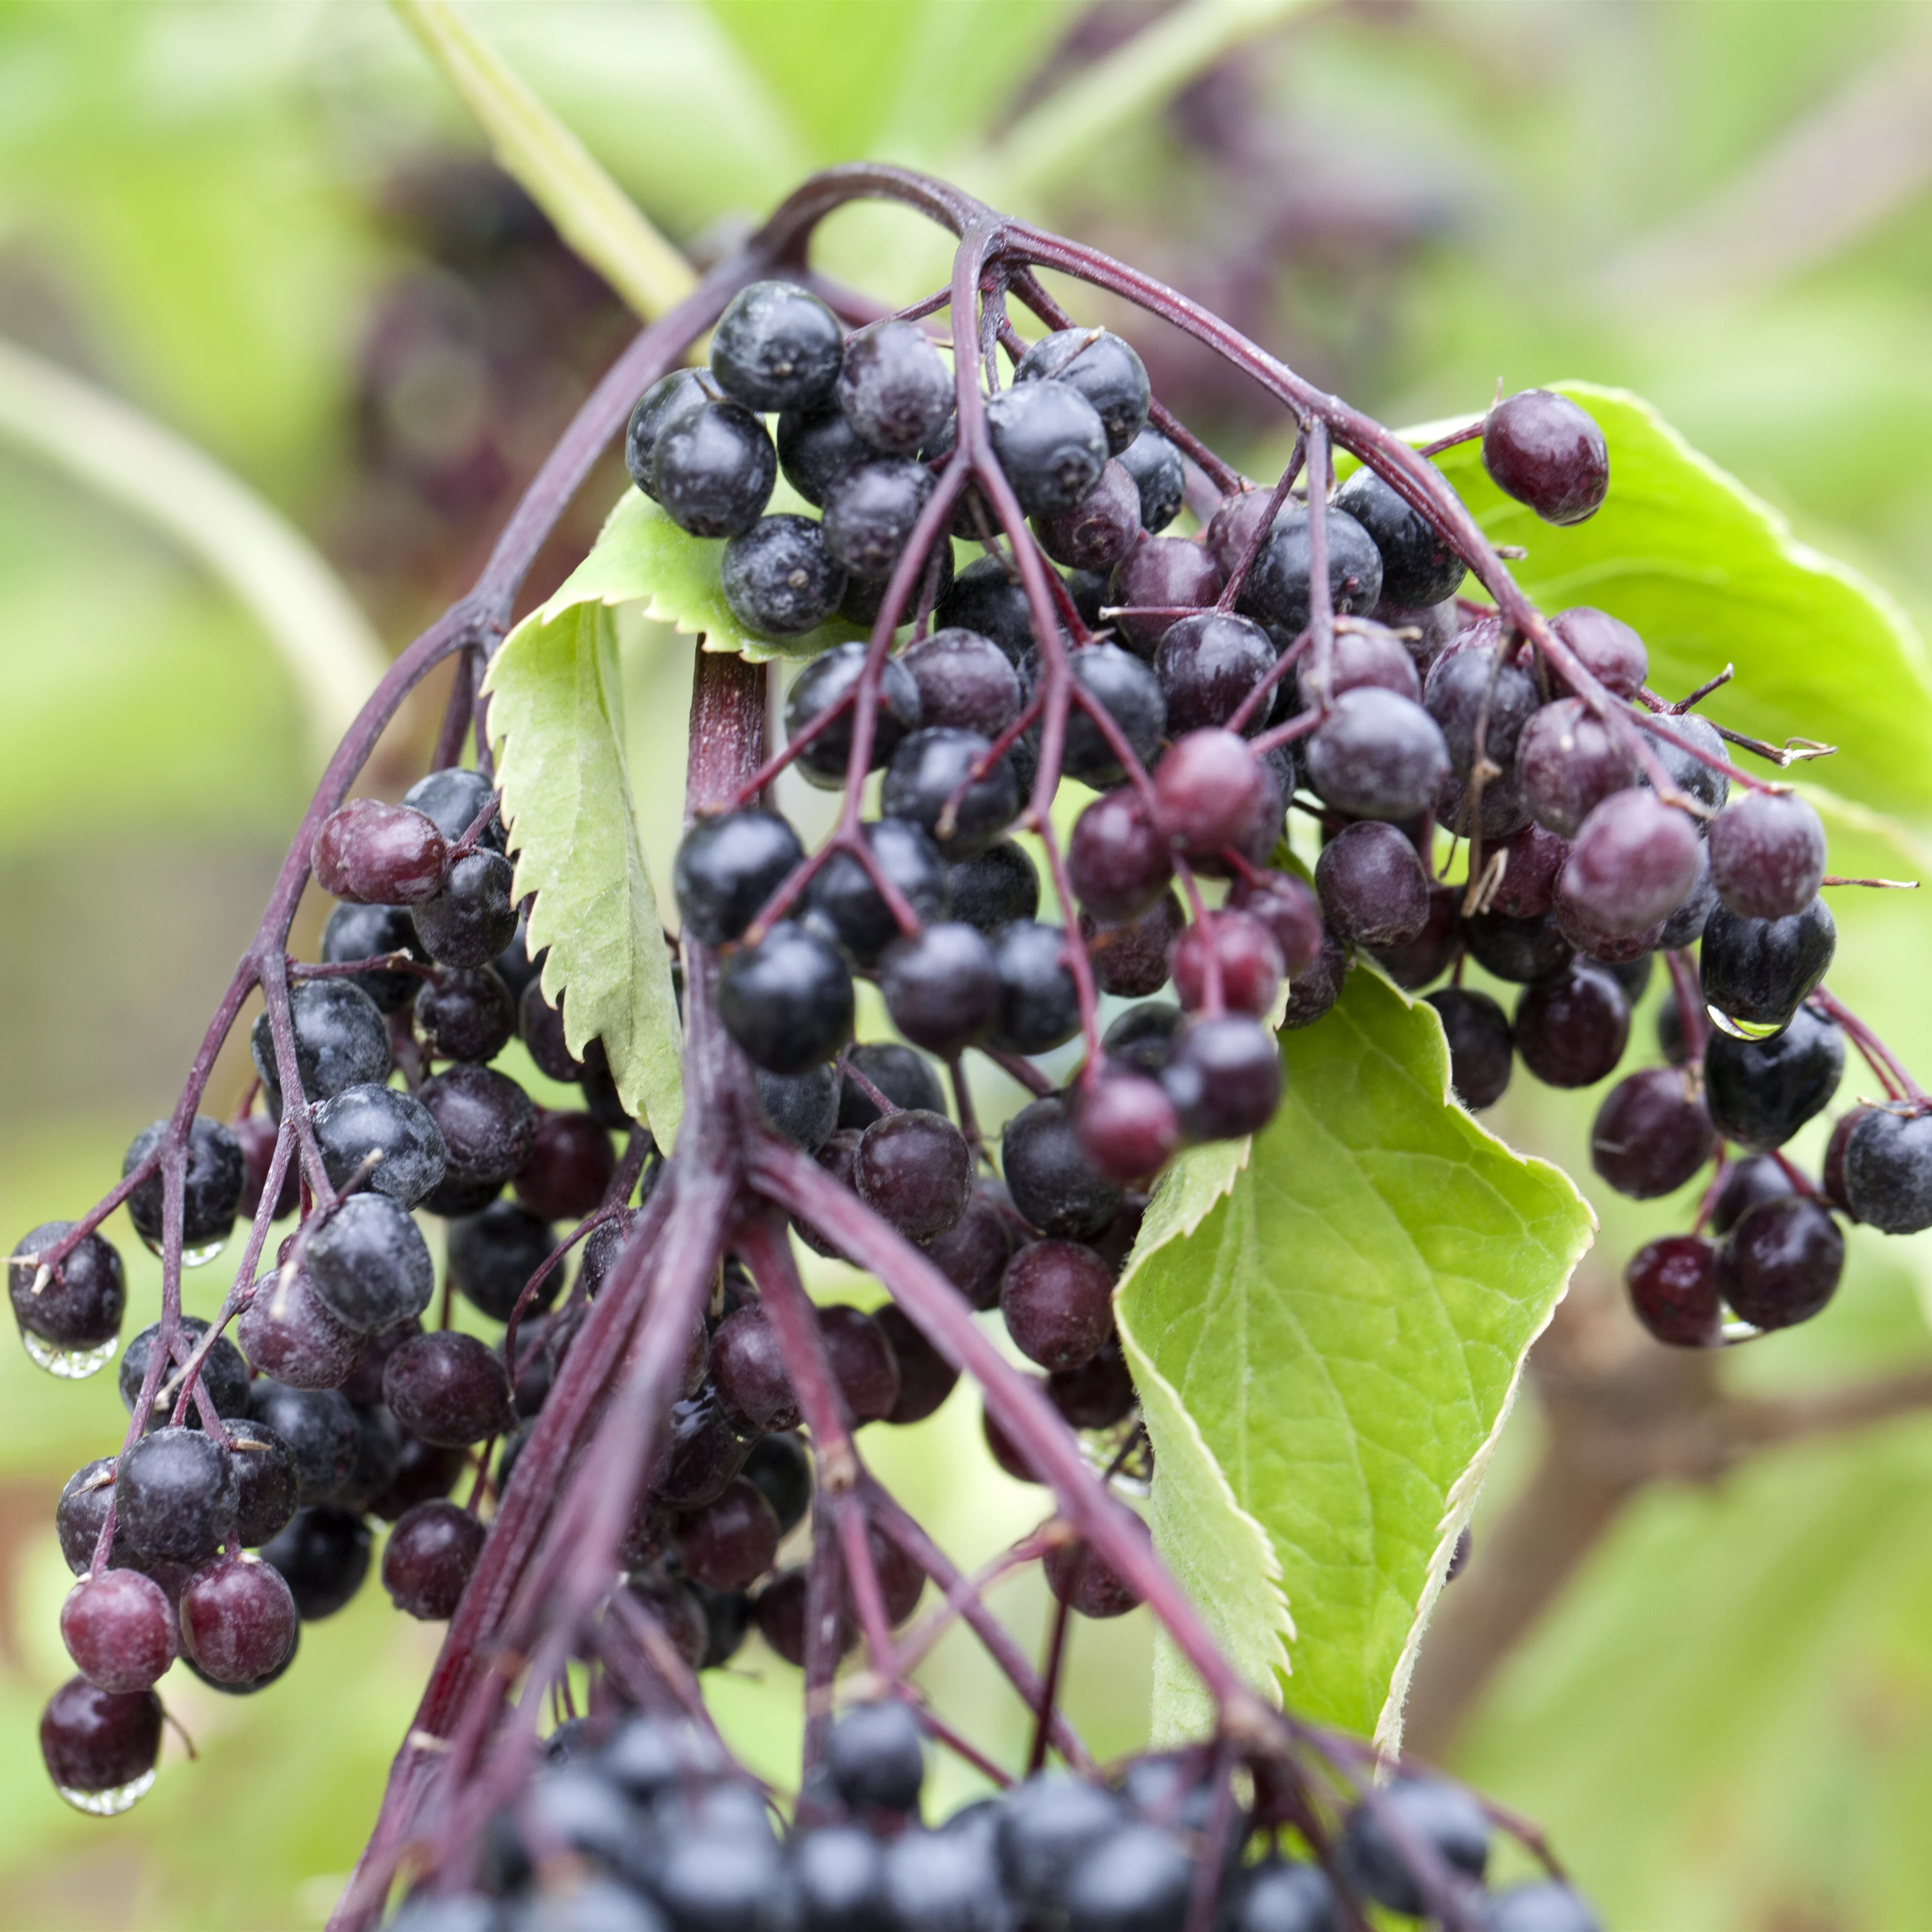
point(1237, 577)
point(1879, 1057)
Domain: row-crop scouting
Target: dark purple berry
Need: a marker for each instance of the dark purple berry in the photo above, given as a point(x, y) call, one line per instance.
point(993, 888)
point(465, 1015)
point(972, 1255)
point(1162, 573)
point(1039, 1007)
point(495, 1255)
point(915, 1168)
point(1159, 475)
point(815, 447)
point(1888, 1170)
point(781, 577)
point(77, 1307)
point(1290, 909)
point(96, 1744)
point(1117, 861)
point(377, 1137)
point(473, 917)
point(787, 1000)
point(175, 1495)
point(1206, 665)
point(863, 1366)
point(1053, 1185)
point(1568, 760)
point(1373, 889)
point(368, 1263)
point(893, 388)
point(1672, 1285)
point(1571, 1028)
point(926, 1378)
point(448, 1388)
point(1224, 1077)
point(378, 854)
point(667, 399)
point(1277, 591)
point(1050, 442)
point(371, 932)
point(119, 1627)
point(238, 1620)
point(1634, 862)
point(1652, 1133)
point(1767, 855)
point(1609, 649)
point(570, 1165)
point(1100, 529)
point(726, 869)
point(1758, 972)
point(1780, 1265)
point(1480, 1044)
point(1758, 1176)
point(1057, 1301)
point(1233, 951)
point(777, 346)
point(1543, 450)
point(428, 1559)
point(1131, 960)
point(730, 1541)
point(929, 767)
point(215, 1172)
point(1430, 1809)
point(323, 1556)
point(1378, 756)
point(1420, 565)
point(1103, 368)
point(712, 469)
point(748, 1372)
point(1760, 1092)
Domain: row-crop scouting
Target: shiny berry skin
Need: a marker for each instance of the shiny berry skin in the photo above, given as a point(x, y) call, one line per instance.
point(703, 1451)
point(368, 1264)
point(323, 1556)
point(1209, 791)
point(906, 1078)
point(1224, 1077)
point(779, 1467)
point(1040, 1007)
point(1084, 1581)
point(928, 767)
point(1419, 564)
point(780, 578)
point(964, 681)
point(1244, 959)
point(1050, 442)
point(1378, 756)
point(823, 683)
point(876, 1759)
point(926, 1378)
point(80, 1304)
point(1533, 862)
point(987, 597)
point(778, 1611)
point(427, 1560)
point(1130, 695)
point(288, 1332)
point(380, 1138)
point(495, 1254)
point(1767, 855)
point(465, 1015)
point(1780, 1264)
point(1418, 962)
point(570, 1163)
point(712, 469)
point(1103, 368)
point(973, 1255)
point(893, 388)
point(368, 932)
point(815, 447)
point(1690, 774)
point(1314, 993)
point(1100, 529)
point(1568, 762)
point(1057, 1298)
point(748, 1372)
point(994, 888)
point(212, 1184)
point(1652, 1133)
point(727, 867)
point(1139, 1040)
point(1131, 959)
point(1278, 587)
point(861, 1363)
point(1571, 1028)
point(802, 1108)
point(224, 1378)
point(1162, 573)
point(378, 854)
point(777, 346)
point(1758, 1176)
point(80, 1512)
point(175, 1495)
point(1290, 909)
point(320, 1429)
point(1442, 1816)
point(667, 399)
point(1685, 926)
point(1053, 1185)
point(1467, 691)
point(1206, 665)
point(119, 1628)
point(452, 799)
point(1159, 477)
point(473, 917)
point(1543, 450)
point(1523, 951)
point(1001, 1447)
point(1128, 1126)
point(1888, 1170)
point(870, 512)
point(787, 1000)
point(1117, 861)
point(914, 1168)
point(448, 1388)
point(730, 1541)
point(842, 894)
point(238, 1620)
point(1758, 971)
point(1372, 887)
point(1760, 1092)
point(94, 1741)
point(1672, 1285)
point(1634, 862)
point(1097, 1394)
point(1613, 653)
point(1481, 1045)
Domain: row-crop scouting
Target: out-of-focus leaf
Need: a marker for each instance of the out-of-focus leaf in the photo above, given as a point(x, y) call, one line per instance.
point(556, 720)
point(1711, 575)
point(1345, 1329)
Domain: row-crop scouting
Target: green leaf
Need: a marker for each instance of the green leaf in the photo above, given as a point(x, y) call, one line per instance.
point(641, 557)
point(1711, 575)
point(1338, 1339)
point(556, 724)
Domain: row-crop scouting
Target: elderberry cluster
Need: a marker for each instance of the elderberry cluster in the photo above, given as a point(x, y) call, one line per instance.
point(246, 1507)
point(640, 1823)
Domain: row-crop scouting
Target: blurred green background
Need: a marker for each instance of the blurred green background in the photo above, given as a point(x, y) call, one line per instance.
point(265, 225)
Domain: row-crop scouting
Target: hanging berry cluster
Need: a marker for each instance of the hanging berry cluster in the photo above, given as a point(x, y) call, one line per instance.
point(667, 1455)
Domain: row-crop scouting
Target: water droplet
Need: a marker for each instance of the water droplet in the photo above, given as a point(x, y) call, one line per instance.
point(1739, 1029)
point(192, 1257)
point(110, 1804)
point(71, 1365)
